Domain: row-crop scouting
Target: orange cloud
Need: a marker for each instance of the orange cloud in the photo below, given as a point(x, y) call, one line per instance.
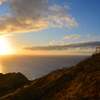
point(75, 36)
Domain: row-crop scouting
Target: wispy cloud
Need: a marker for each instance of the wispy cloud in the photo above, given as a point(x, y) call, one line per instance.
point(81, 45)
point(33, 15)
point(67, 7)
point(57, 42)
point(90, 36)
point(53, 42)
point(75, 36)
point(56, 8)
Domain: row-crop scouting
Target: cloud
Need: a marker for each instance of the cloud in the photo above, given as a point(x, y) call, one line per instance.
point(75, 36)
point(34, 15)
point(1, 1)
point(89, 36)
point(81, 45)
point(56, 7)
point(67, 7)
point(53, 42)
point(57, 42)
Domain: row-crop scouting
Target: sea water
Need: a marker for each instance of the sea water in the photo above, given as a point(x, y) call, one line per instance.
point(36, 66)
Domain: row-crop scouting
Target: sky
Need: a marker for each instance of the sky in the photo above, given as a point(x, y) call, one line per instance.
point(49, 27)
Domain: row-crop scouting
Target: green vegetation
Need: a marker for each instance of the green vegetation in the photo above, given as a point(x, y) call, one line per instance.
point(80, 82)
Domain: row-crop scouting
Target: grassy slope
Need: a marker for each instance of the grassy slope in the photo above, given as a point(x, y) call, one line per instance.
point(81, 82)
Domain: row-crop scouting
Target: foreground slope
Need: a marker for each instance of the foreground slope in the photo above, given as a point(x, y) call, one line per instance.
point(81, 82)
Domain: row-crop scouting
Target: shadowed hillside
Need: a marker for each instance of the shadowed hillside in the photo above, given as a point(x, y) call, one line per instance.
point(11, 81)
point(81, 82)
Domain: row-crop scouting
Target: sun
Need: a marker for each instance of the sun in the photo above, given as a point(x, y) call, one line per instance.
point(4, 46)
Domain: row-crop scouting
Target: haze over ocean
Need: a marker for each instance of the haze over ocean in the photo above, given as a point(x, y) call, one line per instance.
point(36, 66)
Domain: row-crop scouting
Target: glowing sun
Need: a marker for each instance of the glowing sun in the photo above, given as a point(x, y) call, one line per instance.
point(4, 47)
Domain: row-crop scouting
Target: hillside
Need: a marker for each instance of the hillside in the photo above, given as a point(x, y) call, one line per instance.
point(80, 82)
point(11, 81)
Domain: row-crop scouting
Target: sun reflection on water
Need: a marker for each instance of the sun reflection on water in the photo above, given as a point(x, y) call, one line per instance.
point(2, 70)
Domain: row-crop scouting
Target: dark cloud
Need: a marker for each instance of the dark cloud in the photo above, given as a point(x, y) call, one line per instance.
point(82, 45)
point(29, 9)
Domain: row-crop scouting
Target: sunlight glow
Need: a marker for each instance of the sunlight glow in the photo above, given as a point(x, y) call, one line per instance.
point(4, 47)
point(1, 68)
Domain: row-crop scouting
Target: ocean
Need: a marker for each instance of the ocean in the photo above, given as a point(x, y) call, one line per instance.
point(34, 67)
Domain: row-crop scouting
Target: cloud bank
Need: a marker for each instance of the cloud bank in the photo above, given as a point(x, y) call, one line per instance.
point(81, 45)
point(33, 15)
